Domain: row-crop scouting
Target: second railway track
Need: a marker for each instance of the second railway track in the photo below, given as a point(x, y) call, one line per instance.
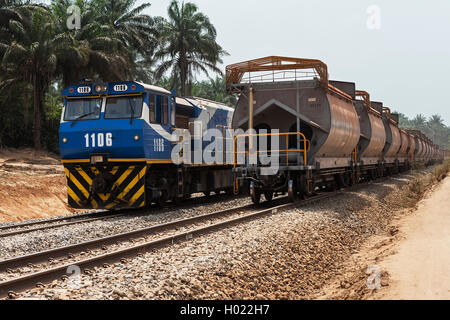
point(46, 224)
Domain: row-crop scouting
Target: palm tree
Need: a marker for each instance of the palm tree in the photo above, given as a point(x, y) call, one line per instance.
point(213, 89)
point(437, 120)
point(29, 54)
point(419, 121)
point(112, 36)
point(137, 32)
point(188, 45)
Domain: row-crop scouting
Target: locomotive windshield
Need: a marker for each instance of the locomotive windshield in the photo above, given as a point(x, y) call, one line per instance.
point(124, 107)
point(82, 109)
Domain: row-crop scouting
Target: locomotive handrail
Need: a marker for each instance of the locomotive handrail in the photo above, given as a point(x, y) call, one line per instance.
point(287, 134)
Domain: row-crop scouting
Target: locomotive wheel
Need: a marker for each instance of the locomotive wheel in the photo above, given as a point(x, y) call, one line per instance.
point(268, 195)
point(162, 200)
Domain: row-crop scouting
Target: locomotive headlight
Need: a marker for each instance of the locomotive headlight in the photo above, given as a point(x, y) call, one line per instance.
point(136, 137)
point(100, 87)
point(64, 139)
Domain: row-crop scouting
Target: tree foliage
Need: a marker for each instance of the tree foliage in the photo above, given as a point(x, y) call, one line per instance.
point(188, 45)
point(40, 55)
point(433, 127)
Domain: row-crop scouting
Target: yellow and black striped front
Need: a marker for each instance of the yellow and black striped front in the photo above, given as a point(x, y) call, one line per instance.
point(123, 186)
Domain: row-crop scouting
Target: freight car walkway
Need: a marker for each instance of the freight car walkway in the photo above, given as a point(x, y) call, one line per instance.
point(420, 269)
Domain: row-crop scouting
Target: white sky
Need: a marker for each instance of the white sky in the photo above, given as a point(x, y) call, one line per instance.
point(404, 63)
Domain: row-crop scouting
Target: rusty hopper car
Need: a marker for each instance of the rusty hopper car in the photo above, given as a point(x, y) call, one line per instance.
point(393, 140)
point(382, 148)
point(372, 135)
point(420, 148)
point(411, 147)
point(317, 122)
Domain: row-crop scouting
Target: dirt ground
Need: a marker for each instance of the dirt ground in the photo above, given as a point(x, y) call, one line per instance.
point(420, 265)
point(32, 185)
point(413, 261)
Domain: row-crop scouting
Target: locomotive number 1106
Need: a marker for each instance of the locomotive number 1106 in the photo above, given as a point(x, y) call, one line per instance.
point(98, 140)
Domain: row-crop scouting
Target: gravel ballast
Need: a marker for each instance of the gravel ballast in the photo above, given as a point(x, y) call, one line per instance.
point(287, 255)
point(61, 236)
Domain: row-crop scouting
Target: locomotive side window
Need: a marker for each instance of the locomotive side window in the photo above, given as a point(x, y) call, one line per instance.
point(159, 108)
point(82, 109)
point(165, 110)
point(172, 112)
point(123, 107)
point(151, 106)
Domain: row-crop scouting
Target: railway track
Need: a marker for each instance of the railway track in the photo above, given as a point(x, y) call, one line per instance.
point(22, 228)
point(130, 244)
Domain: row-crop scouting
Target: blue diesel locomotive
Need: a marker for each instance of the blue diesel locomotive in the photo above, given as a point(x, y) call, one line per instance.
point(116, 141)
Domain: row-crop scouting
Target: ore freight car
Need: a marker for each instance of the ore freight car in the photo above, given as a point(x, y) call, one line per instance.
point(318, 124)
point(328, 134)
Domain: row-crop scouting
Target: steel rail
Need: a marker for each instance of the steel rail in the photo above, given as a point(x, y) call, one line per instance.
point(27, 281)
point(99, 216)
point(51, 220)
point(42, 256)
point(57, 225)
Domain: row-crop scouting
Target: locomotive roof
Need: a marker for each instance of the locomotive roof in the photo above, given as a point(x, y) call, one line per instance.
point(202, 103)
point(153, 88)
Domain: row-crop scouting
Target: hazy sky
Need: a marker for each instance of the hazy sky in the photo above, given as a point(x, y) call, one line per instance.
point(405, 63)
point(402, 59)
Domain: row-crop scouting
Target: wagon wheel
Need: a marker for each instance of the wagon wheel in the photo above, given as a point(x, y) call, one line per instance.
point(178, 200)
point(347, 179)
point(229, 191)
point(291, 191)
point(268, 195)
point(255, 194)
point(373, 174)
point(207, 193)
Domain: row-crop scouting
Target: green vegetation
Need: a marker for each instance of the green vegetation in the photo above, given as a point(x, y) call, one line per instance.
point(434, 128)
point(421, 180)
point(188, 45)
point(40, 55)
